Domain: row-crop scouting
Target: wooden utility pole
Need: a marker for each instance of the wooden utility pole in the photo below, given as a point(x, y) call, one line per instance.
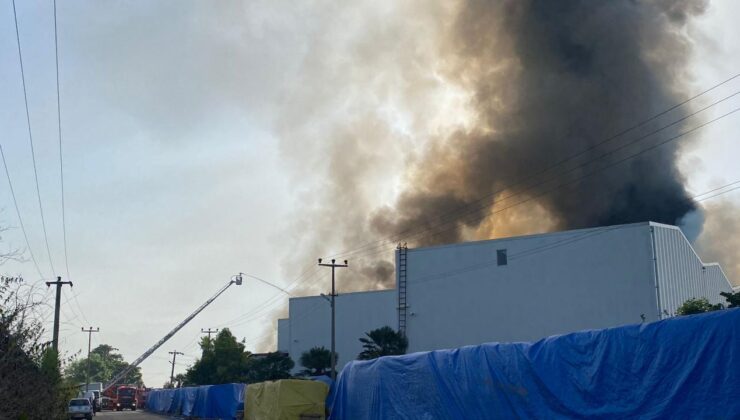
point(209, 332)
point(59, 283)
point(89, 342)
point(333, 266)
point(174, 358)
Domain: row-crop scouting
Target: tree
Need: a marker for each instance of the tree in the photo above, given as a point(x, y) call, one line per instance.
point(733, 299)
point(317, 361)
point(383, 341)
point(180, 380)
point(269, 367)
point(697, 306)
point(105, 363)
point(223, 360)
point(30, 380)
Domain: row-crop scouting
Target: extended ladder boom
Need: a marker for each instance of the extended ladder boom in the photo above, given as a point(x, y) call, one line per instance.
point(236, 280)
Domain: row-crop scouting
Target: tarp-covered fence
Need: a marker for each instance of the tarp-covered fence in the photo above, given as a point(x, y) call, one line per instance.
point(684, 367)
point(208, 401)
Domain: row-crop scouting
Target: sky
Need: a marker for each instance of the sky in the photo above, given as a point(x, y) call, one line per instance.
point(194, 148)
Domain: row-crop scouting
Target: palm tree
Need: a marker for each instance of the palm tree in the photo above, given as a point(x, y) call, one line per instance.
point(317, 361)
point(383, 341)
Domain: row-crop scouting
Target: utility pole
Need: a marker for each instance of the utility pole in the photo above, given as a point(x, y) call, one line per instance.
point(59, 283)
point(209, 332)
point(89, 341)
point(174, 358)
point(333, 266)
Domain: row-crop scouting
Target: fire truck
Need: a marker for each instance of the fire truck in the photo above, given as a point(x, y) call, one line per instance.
point(120, 397)
point(126, 397)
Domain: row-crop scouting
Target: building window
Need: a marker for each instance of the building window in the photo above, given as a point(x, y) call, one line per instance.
point(501, 257)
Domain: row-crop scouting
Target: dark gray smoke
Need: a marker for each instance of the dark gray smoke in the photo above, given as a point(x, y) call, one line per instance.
point(552, 78)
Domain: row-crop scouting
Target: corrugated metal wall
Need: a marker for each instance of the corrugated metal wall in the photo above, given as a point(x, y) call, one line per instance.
point(681, 273)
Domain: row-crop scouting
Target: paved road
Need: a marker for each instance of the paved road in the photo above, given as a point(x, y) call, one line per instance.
point(128, 415)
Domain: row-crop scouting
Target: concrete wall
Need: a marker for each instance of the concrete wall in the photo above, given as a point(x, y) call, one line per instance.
point(309, 324)
point(552, 284)
point(682, 274)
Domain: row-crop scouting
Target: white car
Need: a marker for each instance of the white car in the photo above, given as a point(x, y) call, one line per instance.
point(80, 408)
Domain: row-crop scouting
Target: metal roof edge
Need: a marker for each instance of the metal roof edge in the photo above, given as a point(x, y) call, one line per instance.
point(345, 293)
point(531, 236)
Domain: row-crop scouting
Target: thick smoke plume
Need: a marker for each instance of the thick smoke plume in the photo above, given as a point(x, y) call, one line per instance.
point(551, 79)
point(532, 83)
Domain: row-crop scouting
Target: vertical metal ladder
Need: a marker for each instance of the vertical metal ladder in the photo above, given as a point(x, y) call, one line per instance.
point(402, 304)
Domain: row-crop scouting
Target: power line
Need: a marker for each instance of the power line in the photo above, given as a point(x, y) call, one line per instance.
point(694, 198)
point(18, 213)
point(716, 189)
point(721, 193)
point(429, 231)
point(30, 139)
point(566, 241)
point(399, 235)
point(61, 155)
point(244, 318)
point(612, 164)
point(362, 250)
point(79, 307)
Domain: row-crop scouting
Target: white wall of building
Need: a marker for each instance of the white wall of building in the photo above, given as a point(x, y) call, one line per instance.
point(283, 335)
point(552, 284)
point(309, 324)
point(682, 274)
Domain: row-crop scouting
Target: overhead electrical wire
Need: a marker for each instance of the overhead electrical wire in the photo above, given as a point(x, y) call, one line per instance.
point(245, 318)
point(472, 210)
point(30, 139)
point(61, 164)
point(259, 311)
point(558, 187)
point(720, 193)
point(35, 169)
point(557, 244)
point(59, 133)
point(20, 218)
point(716, 189)
point(363, 249)
point(400, 236)
point(428, 232)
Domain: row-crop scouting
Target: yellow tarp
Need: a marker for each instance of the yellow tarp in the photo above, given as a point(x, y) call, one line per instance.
point(287, 399)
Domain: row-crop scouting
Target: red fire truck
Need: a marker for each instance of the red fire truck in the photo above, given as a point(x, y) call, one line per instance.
point(126, 397)
point(121, 397)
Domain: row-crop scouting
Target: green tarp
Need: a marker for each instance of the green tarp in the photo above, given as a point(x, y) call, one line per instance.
point(288, 399)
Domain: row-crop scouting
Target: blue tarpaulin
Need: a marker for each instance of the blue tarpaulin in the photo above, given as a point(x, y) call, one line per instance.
point(207, 401)
point(684, 367)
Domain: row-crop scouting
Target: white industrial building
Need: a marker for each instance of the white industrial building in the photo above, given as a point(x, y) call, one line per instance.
point(515, 289)
point(310, 318)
